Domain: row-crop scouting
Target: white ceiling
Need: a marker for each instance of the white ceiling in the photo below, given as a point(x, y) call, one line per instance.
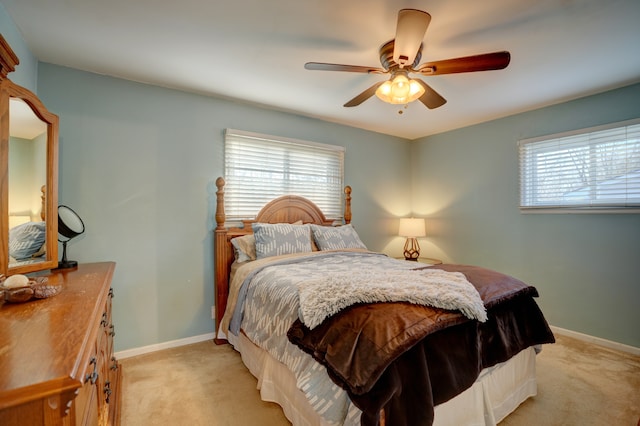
point(255, 50)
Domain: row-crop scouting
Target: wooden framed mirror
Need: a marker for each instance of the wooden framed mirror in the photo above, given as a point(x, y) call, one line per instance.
point(28, 177)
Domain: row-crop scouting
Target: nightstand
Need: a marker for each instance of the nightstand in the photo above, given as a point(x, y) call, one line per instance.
point(429, 260)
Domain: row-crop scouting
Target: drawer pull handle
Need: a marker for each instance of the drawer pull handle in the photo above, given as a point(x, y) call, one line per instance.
point(112, 332)
point(107, 390)
point(114, 366)
point(103, 322)
point(93, 376)
point(111, 292)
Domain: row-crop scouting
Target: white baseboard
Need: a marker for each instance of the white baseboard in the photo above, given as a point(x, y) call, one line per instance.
point(166, 345)
point(597, 340)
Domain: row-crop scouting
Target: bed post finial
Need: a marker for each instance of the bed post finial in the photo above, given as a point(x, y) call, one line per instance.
point(43, 202)
point(347, 204)
point(220, 215)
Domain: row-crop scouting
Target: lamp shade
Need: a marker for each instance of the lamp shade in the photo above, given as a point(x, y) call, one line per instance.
point(412, 227)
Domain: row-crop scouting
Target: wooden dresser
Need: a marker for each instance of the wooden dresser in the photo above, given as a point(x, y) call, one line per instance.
point(56, 355)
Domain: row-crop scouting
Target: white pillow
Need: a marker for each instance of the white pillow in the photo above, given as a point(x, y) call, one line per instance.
point(244, 248)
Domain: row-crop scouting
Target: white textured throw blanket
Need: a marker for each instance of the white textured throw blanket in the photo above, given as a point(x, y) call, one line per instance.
point(321, 298)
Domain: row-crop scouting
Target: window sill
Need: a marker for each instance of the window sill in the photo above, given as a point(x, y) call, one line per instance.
point(584, 210)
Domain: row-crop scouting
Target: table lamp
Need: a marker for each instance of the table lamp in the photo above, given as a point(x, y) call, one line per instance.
point(411, 228)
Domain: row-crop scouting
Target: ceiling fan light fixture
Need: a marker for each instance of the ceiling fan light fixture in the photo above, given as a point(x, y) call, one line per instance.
point(401, 56)
point(399, 90)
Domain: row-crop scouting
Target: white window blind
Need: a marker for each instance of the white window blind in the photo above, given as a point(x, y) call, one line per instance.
point(259, 168)
point(596, 168)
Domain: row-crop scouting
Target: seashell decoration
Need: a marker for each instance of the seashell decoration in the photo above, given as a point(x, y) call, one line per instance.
point(15, 281)
point(20, 288)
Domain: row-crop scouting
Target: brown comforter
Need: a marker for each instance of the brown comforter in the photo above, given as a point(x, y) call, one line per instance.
point(398, 356)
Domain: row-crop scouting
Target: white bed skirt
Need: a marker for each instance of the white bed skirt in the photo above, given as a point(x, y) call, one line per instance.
point(498, 391)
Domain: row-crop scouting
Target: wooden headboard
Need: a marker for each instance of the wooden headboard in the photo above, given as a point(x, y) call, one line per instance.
point(285, 209)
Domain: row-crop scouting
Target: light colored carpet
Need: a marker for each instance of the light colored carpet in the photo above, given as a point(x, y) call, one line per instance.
point(195, 385)
point(207, 385)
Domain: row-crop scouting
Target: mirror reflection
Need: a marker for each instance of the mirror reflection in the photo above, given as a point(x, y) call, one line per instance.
point(27, 178)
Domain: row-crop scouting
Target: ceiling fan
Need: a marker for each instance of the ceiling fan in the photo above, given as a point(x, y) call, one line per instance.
point(401, 56)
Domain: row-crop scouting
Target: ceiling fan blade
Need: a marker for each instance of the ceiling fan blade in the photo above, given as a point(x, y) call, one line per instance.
point(364, 95)
point(431, 99)
point(321, 66)
point(410, 30)
point(484, 62)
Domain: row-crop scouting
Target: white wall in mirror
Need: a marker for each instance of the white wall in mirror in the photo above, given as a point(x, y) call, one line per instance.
point(27, 161)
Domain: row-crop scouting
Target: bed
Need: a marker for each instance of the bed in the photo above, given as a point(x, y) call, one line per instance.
point(373, 362)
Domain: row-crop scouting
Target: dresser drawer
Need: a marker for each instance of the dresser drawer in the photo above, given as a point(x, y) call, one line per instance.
point(86, 405)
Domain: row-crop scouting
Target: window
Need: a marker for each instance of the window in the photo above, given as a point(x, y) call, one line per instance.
point(259, 168)
point(596, 168)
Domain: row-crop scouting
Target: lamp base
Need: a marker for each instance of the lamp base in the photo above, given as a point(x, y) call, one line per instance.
point(66, 264)
point(411, 249)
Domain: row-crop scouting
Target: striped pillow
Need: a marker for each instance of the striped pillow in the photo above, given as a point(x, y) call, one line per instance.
point(336, 237)
point(275, 239)
point(26, 240)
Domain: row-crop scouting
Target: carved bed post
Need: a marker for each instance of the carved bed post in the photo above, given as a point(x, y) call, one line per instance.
point(347, 204)
point(220, 215)
point(43, 198)
point(221, 264)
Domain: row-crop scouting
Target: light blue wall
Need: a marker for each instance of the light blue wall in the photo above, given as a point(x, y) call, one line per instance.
point(138, 163)
point(586, 266)
point(26, 72)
